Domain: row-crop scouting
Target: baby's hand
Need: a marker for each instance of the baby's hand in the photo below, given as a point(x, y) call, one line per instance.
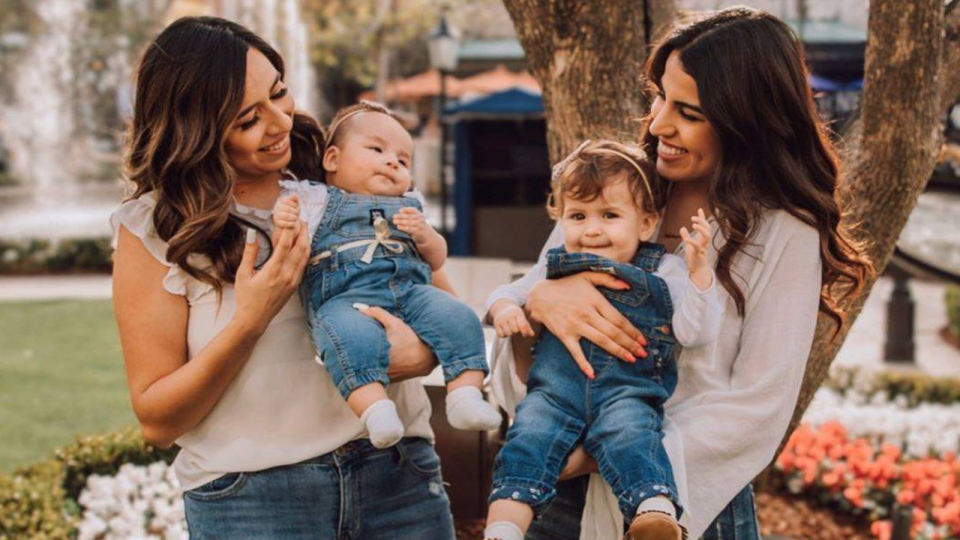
point(510, 320)
point(696, 247)
point(286, 213)
point(413, 222)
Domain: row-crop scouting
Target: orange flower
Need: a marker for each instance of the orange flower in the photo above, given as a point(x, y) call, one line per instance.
point(891, 450)
point(882, 529)
point(831, 479)
point(854, 495)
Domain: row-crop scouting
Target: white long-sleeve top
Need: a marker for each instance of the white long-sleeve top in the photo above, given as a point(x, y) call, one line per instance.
point(736, 395)
point(696, 317)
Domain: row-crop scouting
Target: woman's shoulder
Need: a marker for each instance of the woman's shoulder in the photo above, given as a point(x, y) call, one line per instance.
point(779, 227)
point(136, 216)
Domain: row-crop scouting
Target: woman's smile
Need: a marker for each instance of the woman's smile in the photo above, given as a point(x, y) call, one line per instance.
point(669, 152)
point(278, 148)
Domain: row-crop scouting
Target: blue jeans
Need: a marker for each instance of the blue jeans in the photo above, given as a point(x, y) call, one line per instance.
point(738, 521)
point(617, 416)
point(353, 492)
point(354, 347)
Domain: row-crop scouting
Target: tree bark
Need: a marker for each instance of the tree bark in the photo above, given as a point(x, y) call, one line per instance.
point(589, 60)
point(588, 57)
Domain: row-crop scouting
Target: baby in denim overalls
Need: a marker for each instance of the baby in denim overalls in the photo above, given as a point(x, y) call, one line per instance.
point(359, 260)
point(607, 208)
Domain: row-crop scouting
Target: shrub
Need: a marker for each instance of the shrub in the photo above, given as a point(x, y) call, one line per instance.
point(952, 301)
point(39, 501)
point(64, 256)
point(916, 388)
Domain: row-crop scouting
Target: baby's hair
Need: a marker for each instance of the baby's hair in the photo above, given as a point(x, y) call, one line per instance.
point(340, 125)
point(594, 165)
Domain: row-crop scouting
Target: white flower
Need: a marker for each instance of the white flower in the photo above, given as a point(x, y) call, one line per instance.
point(928, 427)
point(118, 507)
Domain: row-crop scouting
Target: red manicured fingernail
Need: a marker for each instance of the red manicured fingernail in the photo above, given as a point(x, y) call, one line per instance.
point(642, 341)
point(624, 284)
point(590, 375)
point(641, 353)
point(629, 358)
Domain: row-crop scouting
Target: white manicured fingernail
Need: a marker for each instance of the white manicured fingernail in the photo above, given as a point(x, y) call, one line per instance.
point(360, 306)
point(251, 235)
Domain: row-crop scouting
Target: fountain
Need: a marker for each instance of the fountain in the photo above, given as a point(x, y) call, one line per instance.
point(63, 125)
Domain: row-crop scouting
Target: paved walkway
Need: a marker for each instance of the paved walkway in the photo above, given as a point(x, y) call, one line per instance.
point(476, 278)
point(864, 344)
point(54, 287)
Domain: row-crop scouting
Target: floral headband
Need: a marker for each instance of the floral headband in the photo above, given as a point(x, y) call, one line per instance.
point(365, 106)
point(565, 162)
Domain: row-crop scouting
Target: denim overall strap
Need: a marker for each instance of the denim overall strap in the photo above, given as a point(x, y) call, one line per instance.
point(645, 264)
point(561, 263)
point(334, 200)
point(648, 256)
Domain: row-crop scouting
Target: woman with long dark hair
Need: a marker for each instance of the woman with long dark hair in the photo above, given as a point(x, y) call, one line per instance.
point(734, 130)
point(216, 346)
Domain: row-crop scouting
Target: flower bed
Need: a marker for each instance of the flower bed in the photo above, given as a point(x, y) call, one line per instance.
point(41, 501)
point(139, 502)
point(872, 440)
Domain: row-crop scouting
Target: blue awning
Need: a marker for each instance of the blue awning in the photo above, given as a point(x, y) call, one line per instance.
point(823, 84)
point(511, 101)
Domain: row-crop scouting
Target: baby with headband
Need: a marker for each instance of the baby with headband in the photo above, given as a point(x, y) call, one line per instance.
point(372, 246)
point(607, 202)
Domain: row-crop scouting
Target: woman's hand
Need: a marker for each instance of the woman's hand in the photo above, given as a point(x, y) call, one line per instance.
point(409, 356)
point(261, 294)
point(572, 308)
point(579, 463)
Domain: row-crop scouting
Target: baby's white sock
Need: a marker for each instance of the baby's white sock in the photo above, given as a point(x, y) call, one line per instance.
point(502, 530)
point(658, 504)
point(466, 409)
point(383, 423)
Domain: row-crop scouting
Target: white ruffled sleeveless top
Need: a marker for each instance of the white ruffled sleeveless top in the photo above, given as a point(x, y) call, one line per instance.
point(282, 407)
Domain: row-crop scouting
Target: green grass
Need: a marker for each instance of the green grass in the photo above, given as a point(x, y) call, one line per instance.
point(61, 375)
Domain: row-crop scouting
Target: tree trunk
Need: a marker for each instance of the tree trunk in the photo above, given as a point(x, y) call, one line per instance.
point(589, 60)
point(587, 57)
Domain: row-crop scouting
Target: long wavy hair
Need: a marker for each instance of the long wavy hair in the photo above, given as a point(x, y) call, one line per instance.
point(190, 87)
point(776, 152)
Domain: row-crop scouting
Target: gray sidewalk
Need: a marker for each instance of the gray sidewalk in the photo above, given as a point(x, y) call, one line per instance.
point(54, 287)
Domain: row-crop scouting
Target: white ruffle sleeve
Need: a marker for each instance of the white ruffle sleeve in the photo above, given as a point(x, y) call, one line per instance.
point(136, 215)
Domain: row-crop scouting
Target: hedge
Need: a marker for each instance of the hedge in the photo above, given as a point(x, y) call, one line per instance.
point(39, 501)
point(915, 387)
point(952, 301)
point(63, 256)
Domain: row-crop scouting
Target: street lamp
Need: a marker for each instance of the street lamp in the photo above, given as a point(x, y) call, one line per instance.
point(444, 45)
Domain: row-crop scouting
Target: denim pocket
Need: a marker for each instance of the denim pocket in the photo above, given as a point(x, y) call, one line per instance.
point(219, 488)
point(419, 458)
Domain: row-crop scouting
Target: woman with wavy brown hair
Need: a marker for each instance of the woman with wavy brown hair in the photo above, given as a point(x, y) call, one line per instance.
point(733, 129)
point(216, 346)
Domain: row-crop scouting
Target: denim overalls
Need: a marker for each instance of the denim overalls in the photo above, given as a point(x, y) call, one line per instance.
point(617, 417)
point(347, 268)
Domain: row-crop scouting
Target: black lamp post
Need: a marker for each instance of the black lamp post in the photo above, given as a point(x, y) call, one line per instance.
point(444, 51)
